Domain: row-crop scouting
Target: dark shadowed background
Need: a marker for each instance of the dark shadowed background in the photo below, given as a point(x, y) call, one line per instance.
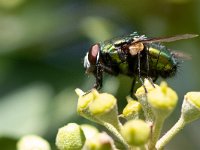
point(42, 45)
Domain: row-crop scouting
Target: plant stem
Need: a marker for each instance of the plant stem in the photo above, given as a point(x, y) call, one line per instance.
point(149, 116)
point(170, 134)
point(138, 147)
point(115, 132)
point(158, 124)
point(143, 147)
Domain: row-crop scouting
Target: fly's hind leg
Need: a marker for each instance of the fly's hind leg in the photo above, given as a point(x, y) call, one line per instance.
point(147, 65)
point(139, 73)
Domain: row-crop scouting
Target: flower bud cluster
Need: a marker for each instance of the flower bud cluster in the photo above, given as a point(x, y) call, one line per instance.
point(142, 122)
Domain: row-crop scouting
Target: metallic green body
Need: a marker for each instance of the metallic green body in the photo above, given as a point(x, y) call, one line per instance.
point(134, 56)
point(160, 60)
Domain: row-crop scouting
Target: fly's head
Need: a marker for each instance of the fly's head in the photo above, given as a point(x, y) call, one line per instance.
point(91, 59)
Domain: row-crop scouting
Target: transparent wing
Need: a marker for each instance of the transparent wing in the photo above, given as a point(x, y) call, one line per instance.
point(167, 39)
point(181, 55)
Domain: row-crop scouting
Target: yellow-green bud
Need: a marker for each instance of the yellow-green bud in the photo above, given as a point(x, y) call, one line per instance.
point(31, 142)
point(148, 85)
point(96, 103)
point(85, 99)
point(133, 109)
point(190, 111)
point(142, 98)
point(102, 104)
point(101, 141)
point(162, 99)
point(136, 132)
point(98, 107)
point(104, 109)
point(191, 106)
point(193, 97)
point(70, 137)
point(89, 131)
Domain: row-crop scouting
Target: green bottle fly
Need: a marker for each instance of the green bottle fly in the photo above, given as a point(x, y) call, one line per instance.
point(133, 55)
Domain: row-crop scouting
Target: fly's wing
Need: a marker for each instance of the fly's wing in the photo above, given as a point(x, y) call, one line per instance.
point(167, 39)
point(181, 55)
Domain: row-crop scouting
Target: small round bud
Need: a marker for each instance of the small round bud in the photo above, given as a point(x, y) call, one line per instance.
point(191, 106)
point(31, 142)
point(102, 104)
point(190, 111)
point(99, 107)
point(101, 141)
point(84, 99)
point(89, 131)
point(104, 109)
point(133, 109)
point(162, 99)
point(194, 98)
point(148, 85)
point(70, 137)
point(136, 132)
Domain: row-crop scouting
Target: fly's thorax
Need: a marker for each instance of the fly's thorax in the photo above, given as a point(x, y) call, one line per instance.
point(112, 56)
point(109, 53)
point(162, 60)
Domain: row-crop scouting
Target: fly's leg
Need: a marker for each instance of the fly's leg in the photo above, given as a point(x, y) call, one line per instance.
point(99, 77)
point(99, 74)
point(151, 81)
point(108, 70)
point(139, 74)
point(147, 63)
point(121, 54)
point(132, 88)
point(133, 85)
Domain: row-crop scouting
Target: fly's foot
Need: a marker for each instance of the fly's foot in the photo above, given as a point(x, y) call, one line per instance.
point(145, 89)
point(151, 81)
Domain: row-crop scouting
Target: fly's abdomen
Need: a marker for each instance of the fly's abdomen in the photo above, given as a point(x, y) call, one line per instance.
point(161, 60)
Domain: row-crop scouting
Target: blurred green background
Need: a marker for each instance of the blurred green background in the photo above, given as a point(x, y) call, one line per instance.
point(42, 46)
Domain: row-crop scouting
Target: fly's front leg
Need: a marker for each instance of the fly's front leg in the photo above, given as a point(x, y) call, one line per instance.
point(121, 54)
point(99, 77)
point(109, 70)
point(99, 74)
point(132, 88)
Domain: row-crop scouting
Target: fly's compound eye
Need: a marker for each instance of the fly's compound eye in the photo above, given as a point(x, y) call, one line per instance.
point(91, 58)
point(93, 54)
